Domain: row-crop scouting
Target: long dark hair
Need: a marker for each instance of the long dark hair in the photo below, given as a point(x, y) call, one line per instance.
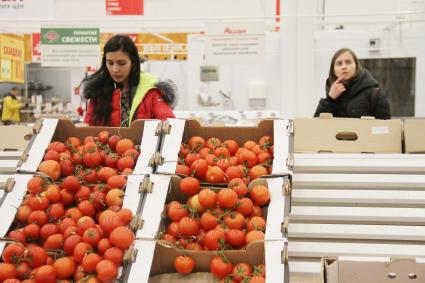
point(100, 85)
point(332, 77)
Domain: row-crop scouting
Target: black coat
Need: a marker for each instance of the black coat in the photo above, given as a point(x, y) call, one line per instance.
point(362, 97)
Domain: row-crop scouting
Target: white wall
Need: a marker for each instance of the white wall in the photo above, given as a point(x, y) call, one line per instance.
point(235, 78)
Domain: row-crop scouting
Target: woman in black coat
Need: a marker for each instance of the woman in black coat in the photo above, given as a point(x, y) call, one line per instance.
point(351, 91)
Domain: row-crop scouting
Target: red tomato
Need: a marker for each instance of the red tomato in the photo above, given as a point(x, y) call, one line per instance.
point(257, 171)
point(254, 235)
point(234, 220)
point(125, 162)
point(239, 186)
point(213, 239)
point(107, 271)
point(90, 261)
point(213, 143)
point(215, 175)
point(115, 197)
point(51, 155)
point(189, 226)
point(220, 267)
point(117, 182)
point(227, 198)
point(235, 238)
point(184, 264)
point(231, 145)
point(13, 253)
point(103, 137)
point(190, 186)
point(122, 237)
point(53, 193)
point(260, 195)
point(113, 140)
point(207, 198)
point(199, 168)
point(48, 230)
point(45, 274)
point(36, 256)
point(114, 254)
point(241, 270)
point(92, 236)
point(65, 267)
point(35, 185)
point(195, 143)
point(124, 145)
point(23, 212)
point(208, 221)
point(70, 243)
point(256, 223)
point(54, 242)
point(81, 250)
point(176, 211)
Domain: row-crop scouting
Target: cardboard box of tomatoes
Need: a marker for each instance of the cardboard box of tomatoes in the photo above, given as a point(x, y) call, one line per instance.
point(245, 221)
point(260, 262)
point(266, 146)
point(141, 132)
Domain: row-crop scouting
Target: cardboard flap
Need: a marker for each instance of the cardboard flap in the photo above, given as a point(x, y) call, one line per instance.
point(14, 137)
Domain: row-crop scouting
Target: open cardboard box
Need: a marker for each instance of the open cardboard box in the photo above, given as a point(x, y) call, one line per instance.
point(414, 135)
point(155, 262)
point(347, 135)
point(278, 205)
point(181, 130)
point(141, 132)
point(376, 270)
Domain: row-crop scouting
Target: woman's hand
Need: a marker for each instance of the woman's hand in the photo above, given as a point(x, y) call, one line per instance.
point(336, 89)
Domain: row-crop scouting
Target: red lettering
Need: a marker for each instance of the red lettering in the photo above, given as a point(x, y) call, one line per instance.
point(234, 31)
point(12, 51)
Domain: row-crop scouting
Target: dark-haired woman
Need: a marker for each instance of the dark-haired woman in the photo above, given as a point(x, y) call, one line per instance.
point(119, 93)
point(351, 91)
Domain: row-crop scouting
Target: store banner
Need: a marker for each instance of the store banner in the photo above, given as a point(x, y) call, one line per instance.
point(69, 47)
point(27, 9)
point(161, 46)
point(12, 58)
point(36, 47)
point(124, 7)
point(235, 43)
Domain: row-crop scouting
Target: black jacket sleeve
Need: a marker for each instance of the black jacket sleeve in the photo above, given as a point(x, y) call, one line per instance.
point(382, 108)
point(326, 105)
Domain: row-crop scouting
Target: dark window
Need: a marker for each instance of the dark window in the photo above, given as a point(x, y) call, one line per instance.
point(397, 78)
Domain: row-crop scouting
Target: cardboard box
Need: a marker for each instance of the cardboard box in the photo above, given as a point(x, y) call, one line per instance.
point(141, 132)
point(414, 135)
point(181, 130)
point(278, 206)
point(376, 270)
point(347, 135)
point(155, 262)
point(14, 137)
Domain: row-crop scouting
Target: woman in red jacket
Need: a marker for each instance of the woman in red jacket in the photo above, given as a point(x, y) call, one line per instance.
point(119, 93)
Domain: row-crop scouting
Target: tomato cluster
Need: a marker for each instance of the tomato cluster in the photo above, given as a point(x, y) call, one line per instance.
point(223, 269)
point(214, 161)
point(74, 228)
point(215, 219)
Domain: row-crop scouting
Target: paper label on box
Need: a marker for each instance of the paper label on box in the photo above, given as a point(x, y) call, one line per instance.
point(383, 130)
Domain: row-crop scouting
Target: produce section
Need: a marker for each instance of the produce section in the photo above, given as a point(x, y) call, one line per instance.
point(92, 204)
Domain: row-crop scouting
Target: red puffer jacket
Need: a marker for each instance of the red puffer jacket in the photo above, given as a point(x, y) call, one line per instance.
point(152, 106)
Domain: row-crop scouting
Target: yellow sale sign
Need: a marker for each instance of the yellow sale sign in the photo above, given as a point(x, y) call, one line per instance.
point(12, 55)
point(161, 46)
